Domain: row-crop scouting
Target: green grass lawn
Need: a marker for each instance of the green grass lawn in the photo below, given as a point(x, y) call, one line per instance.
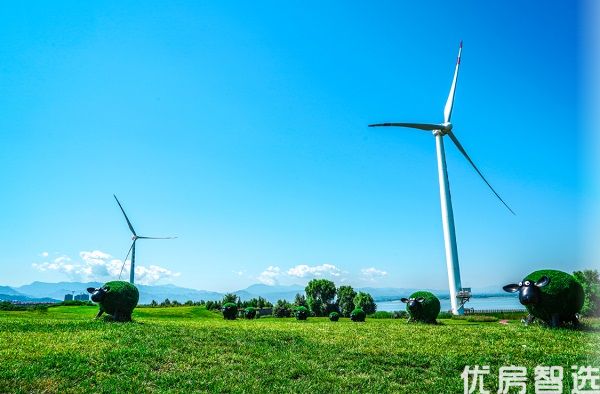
point(189, 349)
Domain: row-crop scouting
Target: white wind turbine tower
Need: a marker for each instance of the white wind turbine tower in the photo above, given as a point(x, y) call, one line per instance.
point(439, 131)
point(134, 237)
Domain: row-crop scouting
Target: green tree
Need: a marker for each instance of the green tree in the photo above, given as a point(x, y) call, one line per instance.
point(300, 300)
point(345, 300)
point(590, 281)
point(230, 298)
point(154, 303)
point(319, 295)
point(365, 302)
point(282, 309)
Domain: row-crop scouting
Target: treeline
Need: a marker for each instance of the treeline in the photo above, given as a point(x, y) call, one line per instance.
point(323, 298)
point(259, 302)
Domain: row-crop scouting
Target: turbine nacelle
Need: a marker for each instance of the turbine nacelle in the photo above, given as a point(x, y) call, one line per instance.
point(444, 129)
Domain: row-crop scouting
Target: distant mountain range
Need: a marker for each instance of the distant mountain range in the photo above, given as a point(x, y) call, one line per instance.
point(54, 292)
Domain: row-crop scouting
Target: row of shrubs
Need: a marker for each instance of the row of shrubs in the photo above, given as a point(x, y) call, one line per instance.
point(231, 311)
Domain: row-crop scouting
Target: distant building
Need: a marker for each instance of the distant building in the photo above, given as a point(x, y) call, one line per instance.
point(68, 297)
point(82, 297)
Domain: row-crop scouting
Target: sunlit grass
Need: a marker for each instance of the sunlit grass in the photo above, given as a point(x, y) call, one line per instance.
point(190, 349)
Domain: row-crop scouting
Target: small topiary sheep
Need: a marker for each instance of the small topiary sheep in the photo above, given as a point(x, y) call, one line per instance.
point(422, 306)
point(301, 313)
point(358, 315)
point(334, 316)
point(552, 296)
point(117, 298)
point(230, 311)
point(250, 313)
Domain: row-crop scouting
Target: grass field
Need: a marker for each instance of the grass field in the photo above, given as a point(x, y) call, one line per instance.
point(189, 349)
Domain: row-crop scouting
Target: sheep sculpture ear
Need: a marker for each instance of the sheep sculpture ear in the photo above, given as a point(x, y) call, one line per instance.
point(544, 280)
point(91, 290)
point(405, 300)
point(420, 300)
point(512, 288)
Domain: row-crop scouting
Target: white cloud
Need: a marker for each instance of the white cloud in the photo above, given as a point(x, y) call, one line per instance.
point(99, 266)
point(270, 275)
point(44, 254)
point(303, 270)
point(371, 273)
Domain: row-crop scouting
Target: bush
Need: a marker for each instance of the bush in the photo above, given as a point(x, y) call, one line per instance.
point(282, 309)
point(301, 313)
point(250, 313)
point(381, 315)
point(399, 315)
point(563, 295)
point(230, 311)
point(429, 310)
point(445, 315)
point(334, 316)
point(358, 315)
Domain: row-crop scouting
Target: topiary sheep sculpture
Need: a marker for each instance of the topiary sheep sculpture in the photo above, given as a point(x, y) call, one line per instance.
point(358, 315)
point(250, 313)
point(552, 296)
point(334, 316)
point(230, 311)
point(117, 299)
point(301, 313)
point(422, 306)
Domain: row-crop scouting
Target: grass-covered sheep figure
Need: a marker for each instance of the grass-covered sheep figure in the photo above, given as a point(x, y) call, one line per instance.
point(301, 313)
point(117, 299)
point(552, 296)
point(422, 306)
point(358, 315)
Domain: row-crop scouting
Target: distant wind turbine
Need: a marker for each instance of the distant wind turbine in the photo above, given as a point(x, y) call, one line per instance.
point(134, 237)
point(439, 131)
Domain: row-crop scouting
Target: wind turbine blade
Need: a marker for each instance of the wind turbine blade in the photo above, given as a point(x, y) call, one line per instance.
point(124, 214)
point(462, 150)
point(420, 126)
point(156, 237)
point(125, 260)
point(450, 101)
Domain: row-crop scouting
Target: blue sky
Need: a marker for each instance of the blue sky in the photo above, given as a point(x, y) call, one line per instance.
point(241, 128)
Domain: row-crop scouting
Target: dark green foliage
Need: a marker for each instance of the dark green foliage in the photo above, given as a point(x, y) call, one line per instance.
point(358, 315)
point(381, 315)
point(230, 311)
point(563, 295)
point(300, 300)
point(365, 302)
point(230, 298)
point(282, 309)
point(250, 313)
point(120, 300)
point(429, 310)
point(256, 303)
point(590, 281)
point(345, 300)
point(301, 313)
point(334, 316)
point(319, 294)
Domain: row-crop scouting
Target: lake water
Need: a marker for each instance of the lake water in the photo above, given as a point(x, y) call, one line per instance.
point(477, 303)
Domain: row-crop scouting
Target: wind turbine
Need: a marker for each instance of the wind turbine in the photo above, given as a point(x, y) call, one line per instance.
point(134, 237)
point(439, 131)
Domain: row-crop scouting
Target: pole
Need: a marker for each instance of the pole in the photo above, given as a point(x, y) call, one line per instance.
point(132, 268)
point(448, 226)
